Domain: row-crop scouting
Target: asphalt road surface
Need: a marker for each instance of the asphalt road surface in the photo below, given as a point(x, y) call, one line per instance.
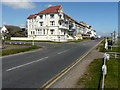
point(32, 70)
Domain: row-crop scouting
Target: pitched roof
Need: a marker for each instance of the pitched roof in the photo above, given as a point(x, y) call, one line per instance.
point(17, 28)
point(70, 18)
point(31, 16)
point(66, 15)
point(52, 9)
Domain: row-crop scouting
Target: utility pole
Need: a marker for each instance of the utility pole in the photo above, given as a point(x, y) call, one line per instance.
point(114, 35)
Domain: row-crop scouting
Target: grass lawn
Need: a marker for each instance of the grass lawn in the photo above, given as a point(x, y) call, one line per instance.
point(111, 80)
point(34, 41)
point(93, 78)
point(72, 41)
point(18, 44)
point(13, 51)
point(79, 40)
point(114, 49)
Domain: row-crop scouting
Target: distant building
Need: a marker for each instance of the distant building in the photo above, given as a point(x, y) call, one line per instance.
point(12, 31)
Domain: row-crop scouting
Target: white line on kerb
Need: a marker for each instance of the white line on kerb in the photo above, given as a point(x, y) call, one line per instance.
point(25, 64)
point(63, 51)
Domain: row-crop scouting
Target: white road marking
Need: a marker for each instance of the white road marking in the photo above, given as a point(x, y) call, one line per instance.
point(25, 64)
point(63, 51)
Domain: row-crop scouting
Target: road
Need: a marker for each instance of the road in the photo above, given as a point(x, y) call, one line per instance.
point(34, 69)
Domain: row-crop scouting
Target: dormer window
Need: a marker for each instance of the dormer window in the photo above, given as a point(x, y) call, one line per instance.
point(51, 15)
point(41, 16)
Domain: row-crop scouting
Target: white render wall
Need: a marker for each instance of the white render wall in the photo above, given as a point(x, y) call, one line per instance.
point(32, 26)
point(60, 31)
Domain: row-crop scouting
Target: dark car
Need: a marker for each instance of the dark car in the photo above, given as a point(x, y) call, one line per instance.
point(92, 38)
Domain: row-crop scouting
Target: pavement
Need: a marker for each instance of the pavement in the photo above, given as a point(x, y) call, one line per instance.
point(34, 69)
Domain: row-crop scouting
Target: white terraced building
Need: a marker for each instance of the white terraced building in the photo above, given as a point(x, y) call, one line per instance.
point(54, 25)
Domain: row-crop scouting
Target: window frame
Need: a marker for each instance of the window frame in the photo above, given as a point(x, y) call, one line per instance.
point(41, 23)
point(52, 16)
point(52, 31)
point(41, 17)
point(52, 23)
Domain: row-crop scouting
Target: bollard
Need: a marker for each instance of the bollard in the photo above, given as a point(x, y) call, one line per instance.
point(106, 45)
point(107, 56)
point(104, 70)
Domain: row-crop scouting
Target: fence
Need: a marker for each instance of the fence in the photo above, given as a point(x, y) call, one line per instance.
point(107, 56)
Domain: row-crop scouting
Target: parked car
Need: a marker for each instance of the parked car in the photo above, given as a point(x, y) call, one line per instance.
point(92, 38)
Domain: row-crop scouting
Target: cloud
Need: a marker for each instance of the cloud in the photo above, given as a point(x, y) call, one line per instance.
point(48, 5)
point(19, 4)
point(22, 25)
point(4, 23)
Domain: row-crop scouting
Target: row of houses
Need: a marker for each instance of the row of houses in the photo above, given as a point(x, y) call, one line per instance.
point(54, 25)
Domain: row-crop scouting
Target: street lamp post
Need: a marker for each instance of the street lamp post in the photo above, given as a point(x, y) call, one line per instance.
point(114, 37)
point(33, 40)
point(3, 37)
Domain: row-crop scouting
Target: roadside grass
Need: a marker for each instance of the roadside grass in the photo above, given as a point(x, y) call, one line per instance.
point(35, 41)
point(114, 49)
point(26, 44)
point(79, 40)
point(14, 51)
point(47, 41)
point(92, 77)
point(111, 80)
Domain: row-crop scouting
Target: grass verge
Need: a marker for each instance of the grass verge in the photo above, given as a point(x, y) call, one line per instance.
point(72, 41)
point(79, 40)
point(93, 78)
point(14, 51)
point(18, 44)
point(34, 41)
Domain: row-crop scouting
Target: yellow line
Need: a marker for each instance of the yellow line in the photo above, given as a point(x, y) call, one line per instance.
point(59, 73)
point(68, 68)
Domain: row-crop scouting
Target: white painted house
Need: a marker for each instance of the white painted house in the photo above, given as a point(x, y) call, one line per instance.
point(52, 24)
point(3, 29)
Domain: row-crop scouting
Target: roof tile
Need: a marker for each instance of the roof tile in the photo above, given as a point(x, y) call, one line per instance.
point(52, 9)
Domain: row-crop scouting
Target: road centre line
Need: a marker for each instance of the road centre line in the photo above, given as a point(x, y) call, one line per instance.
point(26, 64)
point(63, 51)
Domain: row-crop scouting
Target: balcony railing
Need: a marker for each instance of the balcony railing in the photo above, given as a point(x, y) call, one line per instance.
point(64, 26)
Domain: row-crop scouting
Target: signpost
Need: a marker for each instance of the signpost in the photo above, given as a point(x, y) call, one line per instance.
point(33, 40)
point(3, 37)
